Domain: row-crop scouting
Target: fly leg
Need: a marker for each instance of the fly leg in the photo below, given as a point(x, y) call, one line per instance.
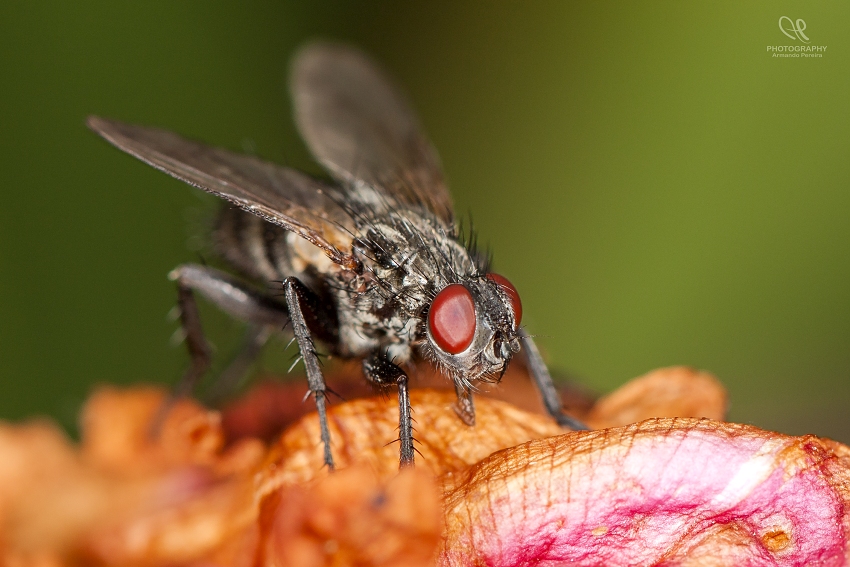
point(234, 298)
point(384, 373)
point(543, 381)
point(464, 408)
point(300, 301)
point(196, 342)
point(256, 336)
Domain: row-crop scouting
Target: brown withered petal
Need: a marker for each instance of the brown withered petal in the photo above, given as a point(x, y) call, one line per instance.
point(118, 434)
point(202, 496)
point(677, 391)
point(350, 518)
point(271, 406)
point(50, 498)
point(363, 431)
point(117, 431)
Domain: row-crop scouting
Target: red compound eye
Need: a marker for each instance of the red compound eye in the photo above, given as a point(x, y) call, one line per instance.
point(451, 319)
point(512, 293)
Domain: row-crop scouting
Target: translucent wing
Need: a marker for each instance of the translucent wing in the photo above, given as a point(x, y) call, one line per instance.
point(360, 127)
point(279, 195)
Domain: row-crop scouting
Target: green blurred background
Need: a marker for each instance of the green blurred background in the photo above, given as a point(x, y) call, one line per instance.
point(659, 188)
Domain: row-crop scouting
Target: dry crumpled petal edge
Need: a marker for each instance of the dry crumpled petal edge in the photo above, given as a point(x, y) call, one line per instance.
point(675, 391)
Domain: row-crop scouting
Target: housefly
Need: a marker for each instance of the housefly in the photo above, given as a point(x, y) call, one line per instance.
point(373, 265)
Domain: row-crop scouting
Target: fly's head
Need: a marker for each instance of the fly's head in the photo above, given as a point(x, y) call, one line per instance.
point(472, 328)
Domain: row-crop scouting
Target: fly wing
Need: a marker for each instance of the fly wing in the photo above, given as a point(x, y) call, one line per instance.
point(279, 195)
point(361, 128)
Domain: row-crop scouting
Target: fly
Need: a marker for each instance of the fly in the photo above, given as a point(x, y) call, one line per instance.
point(372, 265)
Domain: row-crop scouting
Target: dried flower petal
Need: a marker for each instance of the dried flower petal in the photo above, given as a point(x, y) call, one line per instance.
point(50, 498)
point(658, 492)
point(362, 431)
point(516, 489)
point(117, 428)
point(677, 391)
point(350, 518)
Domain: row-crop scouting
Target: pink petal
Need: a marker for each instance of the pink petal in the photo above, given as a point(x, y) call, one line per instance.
point(650, 494)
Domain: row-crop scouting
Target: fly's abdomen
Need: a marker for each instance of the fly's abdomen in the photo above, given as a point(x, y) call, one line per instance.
point(257, 248)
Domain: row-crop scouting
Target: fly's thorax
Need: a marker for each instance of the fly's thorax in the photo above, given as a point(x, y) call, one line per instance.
point(415, 248)
point(370, 321)
point(407, 256)
point(409, 260)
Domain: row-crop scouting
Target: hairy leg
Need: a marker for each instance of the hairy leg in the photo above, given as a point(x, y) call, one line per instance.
point(380, 371)
point(543, 381)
